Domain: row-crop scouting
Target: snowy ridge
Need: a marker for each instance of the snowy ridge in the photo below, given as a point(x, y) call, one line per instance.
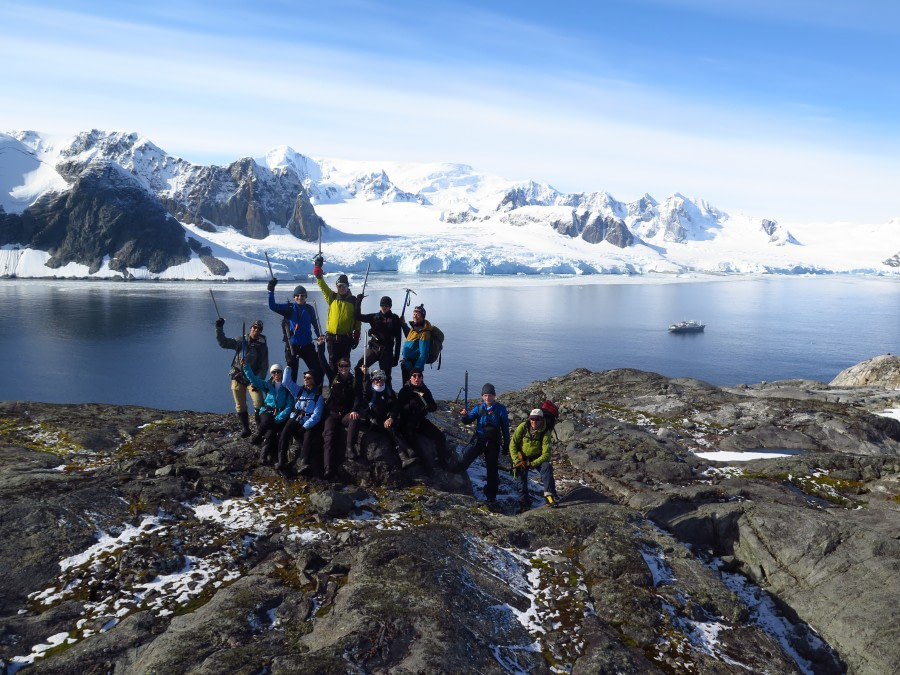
point(438, 218)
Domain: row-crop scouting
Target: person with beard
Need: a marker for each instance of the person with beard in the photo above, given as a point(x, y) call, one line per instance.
point(341, 327)
point(414, 402)
point(340, 410)
point(385, 337)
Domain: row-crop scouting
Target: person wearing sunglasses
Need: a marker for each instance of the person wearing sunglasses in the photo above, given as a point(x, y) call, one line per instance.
point(414, 402)
point(304, 424)
point(378, 410)
point(300, 322)
point(340, 411)
point(385, 337)
point(341, 327)
point(256, 354)
point(274, 413)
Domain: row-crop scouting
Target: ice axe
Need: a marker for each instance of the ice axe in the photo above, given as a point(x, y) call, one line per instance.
point(215, 304)
point(365, 281)
point(406, 302)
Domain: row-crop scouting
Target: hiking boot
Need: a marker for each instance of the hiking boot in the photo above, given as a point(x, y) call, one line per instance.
point(303, 469)
point(264, 456)
point(552, 501)
point(408, 461)
point(245, 424)
point(523, 507)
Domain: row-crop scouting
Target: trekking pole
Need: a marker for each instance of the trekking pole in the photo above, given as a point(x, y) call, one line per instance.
point(214, 303)
point(466, 391)
point(243, 341)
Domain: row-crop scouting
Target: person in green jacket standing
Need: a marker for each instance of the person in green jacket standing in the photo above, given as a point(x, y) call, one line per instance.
point(529, 448)
point(342, 330)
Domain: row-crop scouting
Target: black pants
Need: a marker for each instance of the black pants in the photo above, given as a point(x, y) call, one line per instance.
point(377, 357)
point(294, 430)
point(427, 429)
point(269, 430)
point(308, 353)
point(331, 435)
point(339, 346)
point(491, 450)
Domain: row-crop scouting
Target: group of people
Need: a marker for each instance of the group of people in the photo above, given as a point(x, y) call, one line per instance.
point(364, 398)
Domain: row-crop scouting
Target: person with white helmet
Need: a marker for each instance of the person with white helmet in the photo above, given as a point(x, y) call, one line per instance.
point(274, 413)
point(530, 449)
point(302, 322)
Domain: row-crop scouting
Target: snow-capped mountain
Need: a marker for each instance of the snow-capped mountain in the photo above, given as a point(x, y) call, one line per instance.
point(111, 204)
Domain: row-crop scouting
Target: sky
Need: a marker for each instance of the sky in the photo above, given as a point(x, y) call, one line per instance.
point(784, 109)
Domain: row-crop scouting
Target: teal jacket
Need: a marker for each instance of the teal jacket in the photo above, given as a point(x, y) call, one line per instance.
point(279, 402)
point(534, 445)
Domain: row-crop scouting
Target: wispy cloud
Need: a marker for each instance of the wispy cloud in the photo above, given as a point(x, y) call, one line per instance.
point(584, 101)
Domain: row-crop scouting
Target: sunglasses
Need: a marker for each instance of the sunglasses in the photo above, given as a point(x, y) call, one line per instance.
point(278, 372)
point(343, 365)
point(377, 379)
point(417, 376)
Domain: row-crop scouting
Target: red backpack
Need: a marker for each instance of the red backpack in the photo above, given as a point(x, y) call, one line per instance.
point(551, 413)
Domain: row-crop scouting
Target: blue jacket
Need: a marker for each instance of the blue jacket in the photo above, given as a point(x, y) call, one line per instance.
point(418, 344)
point(308, 405)
point(493, 421)
point(278, 401)
point(302, 319)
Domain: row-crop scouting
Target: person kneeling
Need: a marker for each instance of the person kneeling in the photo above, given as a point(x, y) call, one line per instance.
point(530, 449)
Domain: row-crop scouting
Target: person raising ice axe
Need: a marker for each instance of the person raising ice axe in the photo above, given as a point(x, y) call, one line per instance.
point(342, 329)
point(418, 340)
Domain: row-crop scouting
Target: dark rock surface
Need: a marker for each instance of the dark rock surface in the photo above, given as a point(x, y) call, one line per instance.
point(144, 541)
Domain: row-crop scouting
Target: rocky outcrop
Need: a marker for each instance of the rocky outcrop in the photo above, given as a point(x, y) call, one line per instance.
point(106, 215)
point(879, 371)
point(138, 540)
point(246, 197)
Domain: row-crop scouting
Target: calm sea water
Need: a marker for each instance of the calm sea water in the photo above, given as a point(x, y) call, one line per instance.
point(154, 344)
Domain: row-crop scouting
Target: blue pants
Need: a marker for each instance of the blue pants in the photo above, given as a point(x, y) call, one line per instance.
point(546, 470)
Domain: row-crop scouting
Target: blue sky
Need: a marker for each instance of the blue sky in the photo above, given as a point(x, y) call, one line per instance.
point(786, 110)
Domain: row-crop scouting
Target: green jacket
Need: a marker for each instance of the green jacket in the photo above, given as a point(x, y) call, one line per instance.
point(535, 446)
point(341, 311)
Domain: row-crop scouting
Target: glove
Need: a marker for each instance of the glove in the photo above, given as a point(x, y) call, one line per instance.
point(359, 299)
point(317, 272)
point(273, 282)
point(220, 322)
point(318, 260)
point(520, 462)
point(395, 362)
point(355, 339)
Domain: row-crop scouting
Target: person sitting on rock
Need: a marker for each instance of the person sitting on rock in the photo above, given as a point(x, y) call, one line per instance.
point(256, 354)
point(340, 408)
point(303, 423)
point(378, 409)
point(414, 402)
point(302, 322)
point(341, 327)
point(491, 434)
point(385, 337)
point(275, 410)
point(418, 342)
point(530, 449)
